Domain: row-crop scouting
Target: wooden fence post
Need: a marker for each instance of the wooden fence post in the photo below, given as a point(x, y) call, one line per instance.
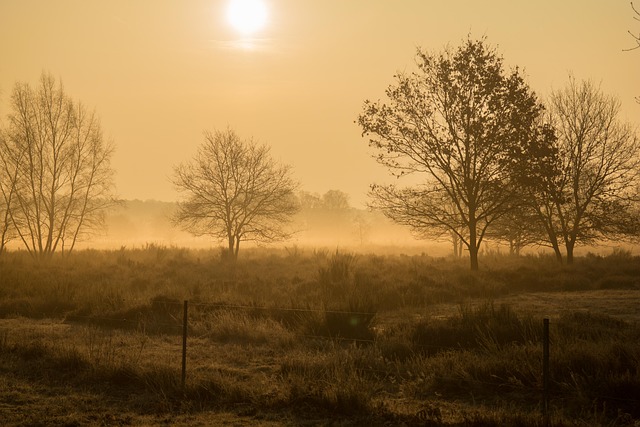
point(184, 343)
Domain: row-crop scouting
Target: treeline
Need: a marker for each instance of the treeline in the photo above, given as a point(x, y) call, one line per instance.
point(493, 161)
point(324, 220)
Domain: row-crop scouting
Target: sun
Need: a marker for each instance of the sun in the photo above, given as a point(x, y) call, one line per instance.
point(247, 16)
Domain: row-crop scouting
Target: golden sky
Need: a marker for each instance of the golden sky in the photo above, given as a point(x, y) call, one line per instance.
point(160, 72)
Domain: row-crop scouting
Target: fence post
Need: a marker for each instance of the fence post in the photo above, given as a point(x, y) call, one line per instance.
point(545, 372)
point(184, 343)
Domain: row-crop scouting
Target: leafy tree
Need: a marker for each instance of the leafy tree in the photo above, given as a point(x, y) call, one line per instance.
point(464, 125)
point(593, 190)
point(58, 179)
point(235, 191)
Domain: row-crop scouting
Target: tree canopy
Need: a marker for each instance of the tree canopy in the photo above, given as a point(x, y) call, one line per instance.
point(235, 191)
point(466, 127)
point(56, 178)
point(593, 187)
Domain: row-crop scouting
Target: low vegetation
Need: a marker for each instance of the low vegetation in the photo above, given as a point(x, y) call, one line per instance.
point(293, 337)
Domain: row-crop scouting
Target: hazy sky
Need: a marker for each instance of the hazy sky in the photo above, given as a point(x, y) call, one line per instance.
point(160, 72)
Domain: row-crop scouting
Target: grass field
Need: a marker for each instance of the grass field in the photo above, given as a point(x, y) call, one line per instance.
point(316, 337)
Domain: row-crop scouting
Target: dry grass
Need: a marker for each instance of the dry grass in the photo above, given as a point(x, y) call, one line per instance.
point(98, 336)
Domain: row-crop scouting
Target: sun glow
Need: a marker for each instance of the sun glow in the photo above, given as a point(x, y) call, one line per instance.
point(247, 16)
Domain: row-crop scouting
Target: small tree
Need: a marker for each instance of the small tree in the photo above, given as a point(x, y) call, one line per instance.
point(597, 176)
point(464, 125)
point(56, 166)
point(235, 191)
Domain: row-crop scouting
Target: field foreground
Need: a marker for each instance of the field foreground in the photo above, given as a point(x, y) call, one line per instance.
point(56, 372)
point(432, 346)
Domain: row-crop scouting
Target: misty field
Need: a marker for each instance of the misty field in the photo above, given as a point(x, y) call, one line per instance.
point(301, 336)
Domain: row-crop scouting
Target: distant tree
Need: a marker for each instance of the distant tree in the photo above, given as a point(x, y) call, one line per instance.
point(336, 201)
point(465, 125)
point(337, 213)
point(309, 201)
point(362, 227)
point(235, 191)
point(326, 217)
point(58, 168)
point(595, 188)
point(519, 228)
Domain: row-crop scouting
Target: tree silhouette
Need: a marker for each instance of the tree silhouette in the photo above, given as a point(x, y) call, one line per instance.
point(594, 190)
point(58, 179)
point(8, 176)
point(465, 126)
point(234, 191)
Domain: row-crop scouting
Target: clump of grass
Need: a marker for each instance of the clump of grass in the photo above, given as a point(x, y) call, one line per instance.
point(597, 359)
point(335, 278)
point(348, 308)
point(332, 381)
point(233, 325)
point(484, 326)
point(618, 282)
point(337, 324)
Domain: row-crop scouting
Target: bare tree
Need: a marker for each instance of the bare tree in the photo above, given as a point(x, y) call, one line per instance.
point(7, 185)
point(235, 191)
point(595, 191)
point(60, 164)
point(8, 176)
point(636, 37)
point(463, 124)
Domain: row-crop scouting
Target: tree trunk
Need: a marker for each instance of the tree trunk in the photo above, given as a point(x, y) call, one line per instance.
point(457, 249)
point(570, 246)
point(231, 248)
point(473, 257)
point(558, 253)
point(473, 250)
point(473, 239)
point(553, 239)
